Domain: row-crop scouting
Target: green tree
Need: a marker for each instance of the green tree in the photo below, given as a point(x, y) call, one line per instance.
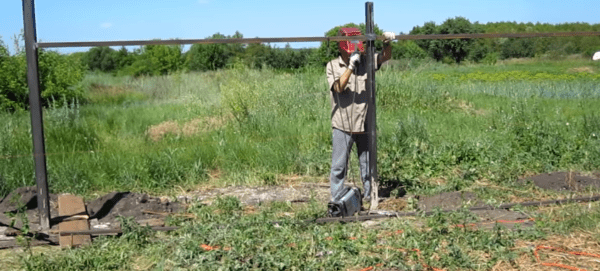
point(124, 58)
point(203, 57)
point(163, 59)
point(152, 60)
point(455, 49)
point(407, 49)
point(101, 58)
point(9, 100)
point(480, 49)
point(516, 48)
point(256, 55)
point(433, 47)
point(458, 49)
point(59, 78)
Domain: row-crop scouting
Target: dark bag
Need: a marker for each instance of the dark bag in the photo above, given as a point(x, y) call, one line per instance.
point(347, 204)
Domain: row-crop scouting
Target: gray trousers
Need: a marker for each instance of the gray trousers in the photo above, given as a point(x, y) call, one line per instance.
point(342, 146)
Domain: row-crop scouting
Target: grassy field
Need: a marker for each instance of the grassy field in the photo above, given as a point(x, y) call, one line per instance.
point(456, 123)
point(441, 128)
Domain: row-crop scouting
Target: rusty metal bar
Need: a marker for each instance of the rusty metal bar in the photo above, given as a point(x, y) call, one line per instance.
point(507, 206)
point(494, 35)
point(35, 107)
point(106, 232)
point(310, 39)
point(371, 100)
point(193, 41)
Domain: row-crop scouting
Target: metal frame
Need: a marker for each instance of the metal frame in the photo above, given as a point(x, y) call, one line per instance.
point(35, 107)
point(310, 39)
point(371, 105)
point(37, 129)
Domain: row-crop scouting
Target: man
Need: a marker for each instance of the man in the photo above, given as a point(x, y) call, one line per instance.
point(347, 79)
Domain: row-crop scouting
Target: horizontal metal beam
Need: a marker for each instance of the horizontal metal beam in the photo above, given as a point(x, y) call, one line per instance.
point(193, 41)
point(107, 231)
point(496, 35)
point(309, 39)
point(480, 208)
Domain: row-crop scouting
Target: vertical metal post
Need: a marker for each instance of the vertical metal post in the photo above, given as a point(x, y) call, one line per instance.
point(35, 107)
point(371, 110)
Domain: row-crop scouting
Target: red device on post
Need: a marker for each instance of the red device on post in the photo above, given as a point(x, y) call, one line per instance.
point(351, 46)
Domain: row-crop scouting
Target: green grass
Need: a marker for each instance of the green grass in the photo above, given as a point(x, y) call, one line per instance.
point(250, 124)
point(252, 242)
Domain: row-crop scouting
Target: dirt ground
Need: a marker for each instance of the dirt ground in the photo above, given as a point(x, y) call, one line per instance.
point(103, 211)
point(565, 181)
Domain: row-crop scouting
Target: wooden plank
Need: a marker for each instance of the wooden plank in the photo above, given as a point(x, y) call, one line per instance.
point(70, 205)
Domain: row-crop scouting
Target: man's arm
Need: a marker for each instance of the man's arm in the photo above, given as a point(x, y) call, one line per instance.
point(386, 53)
point(340, 84)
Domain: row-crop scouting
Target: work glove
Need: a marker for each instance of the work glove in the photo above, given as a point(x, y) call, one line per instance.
point(389, 36)
point(354, 60)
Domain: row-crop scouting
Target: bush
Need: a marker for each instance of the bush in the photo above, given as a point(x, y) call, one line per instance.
point(407, 49)
point(481, 51)
point(515, 48)
point(455, 49)
point(59, 79)
point(101, 58)
point(203, 57)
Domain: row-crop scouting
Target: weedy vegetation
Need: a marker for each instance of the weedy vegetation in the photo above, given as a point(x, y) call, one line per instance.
point(441, 128)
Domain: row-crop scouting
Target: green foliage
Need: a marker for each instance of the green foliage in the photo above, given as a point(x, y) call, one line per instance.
point(268, 240)
point(407, 49)
point(516, 75)
point(287, 58)
point(101, 58)
point(14, 94)
point(517, 48)
point(60, 78)
point(203, 57)
point(258, 126)
point(481, 51)
point(455, 49)
point(160, 59)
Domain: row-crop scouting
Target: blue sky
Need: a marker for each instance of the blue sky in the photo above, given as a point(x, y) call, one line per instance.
point(82, 20)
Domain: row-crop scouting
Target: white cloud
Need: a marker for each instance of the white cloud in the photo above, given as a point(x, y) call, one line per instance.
point(106, 25)
point(203, 1)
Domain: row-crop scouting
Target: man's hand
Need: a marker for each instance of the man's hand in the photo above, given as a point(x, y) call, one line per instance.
point(389, 36)
point(354, 60)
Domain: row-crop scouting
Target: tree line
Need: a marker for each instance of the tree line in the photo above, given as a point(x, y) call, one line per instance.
point(60, 74)
point(153, 60)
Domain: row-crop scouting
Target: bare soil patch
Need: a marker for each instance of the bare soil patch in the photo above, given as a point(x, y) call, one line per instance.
point(252, 195)
point(448, 201)
point(187, 129)
point(103, 210)
point(565, 181)
point(140, 206)
point(488, 218)
point(587, 69)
